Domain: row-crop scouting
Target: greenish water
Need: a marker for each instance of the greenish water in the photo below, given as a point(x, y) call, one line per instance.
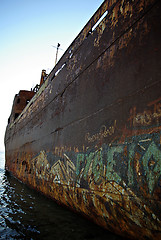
point(26, 214)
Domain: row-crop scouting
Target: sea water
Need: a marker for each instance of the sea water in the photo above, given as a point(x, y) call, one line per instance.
point(26, 214)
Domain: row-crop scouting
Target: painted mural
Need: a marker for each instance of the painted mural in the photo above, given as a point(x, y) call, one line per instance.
point(137, 159)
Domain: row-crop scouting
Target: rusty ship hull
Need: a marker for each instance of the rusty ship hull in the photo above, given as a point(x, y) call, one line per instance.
point(90, 138)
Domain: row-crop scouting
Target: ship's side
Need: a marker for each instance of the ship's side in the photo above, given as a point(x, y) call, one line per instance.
point(90, 138)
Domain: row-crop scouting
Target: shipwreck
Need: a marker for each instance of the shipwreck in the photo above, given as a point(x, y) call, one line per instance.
point(89, 136)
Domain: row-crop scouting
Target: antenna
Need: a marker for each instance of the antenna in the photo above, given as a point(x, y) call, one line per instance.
point(57, 49)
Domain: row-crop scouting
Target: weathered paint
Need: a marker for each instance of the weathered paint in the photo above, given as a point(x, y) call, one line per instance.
point(91, 136)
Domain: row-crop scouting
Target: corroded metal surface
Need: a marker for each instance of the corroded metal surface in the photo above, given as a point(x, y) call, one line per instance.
point(19, 103)
point(91, 136)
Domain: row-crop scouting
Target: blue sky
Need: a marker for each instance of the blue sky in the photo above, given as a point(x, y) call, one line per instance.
point(28, 30)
